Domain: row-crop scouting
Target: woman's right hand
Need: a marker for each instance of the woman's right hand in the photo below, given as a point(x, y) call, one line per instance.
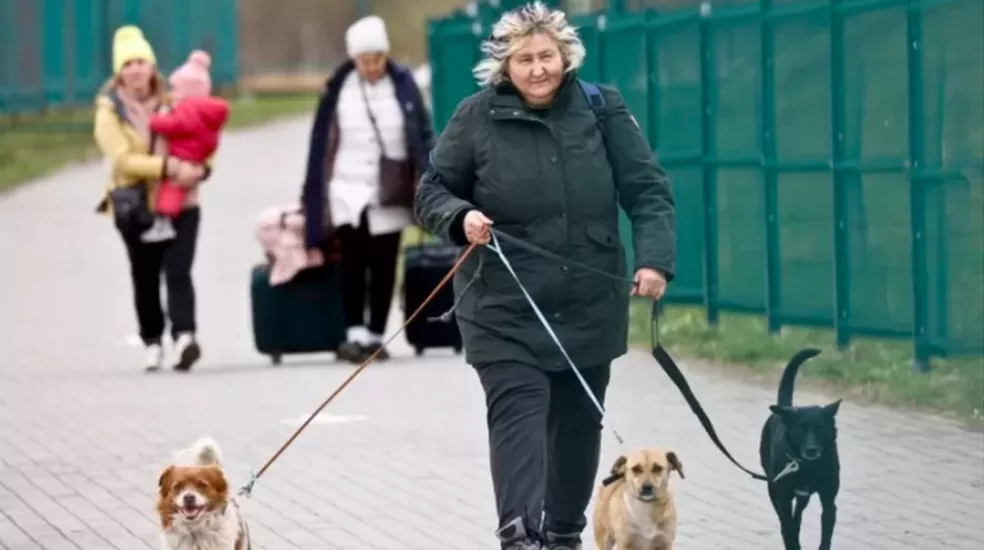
point(189, 174)
point(185, 174)
point(478, 228)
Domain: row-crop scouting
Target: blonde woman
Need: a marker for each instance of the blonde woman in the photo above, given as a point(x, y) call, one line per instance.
point(527, 153)
point(137, 161)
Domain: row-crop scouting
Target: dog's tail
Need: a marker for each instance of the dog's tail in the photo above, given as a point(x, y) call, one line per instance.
point(788, 380)
point(206, 452)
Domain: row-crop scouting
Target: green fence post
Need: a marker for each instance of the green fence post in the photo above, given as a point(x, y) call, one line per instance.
point(838, 121)
point(770, 175)
point(10, 85)
point(652, 84)
point(708, 100)
point(434, 27)
point(917, 204)
point(936, 203)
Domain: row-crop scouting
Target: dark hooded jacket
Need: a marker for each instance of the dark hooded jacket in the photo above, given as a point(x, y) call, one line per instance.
point(547, 177)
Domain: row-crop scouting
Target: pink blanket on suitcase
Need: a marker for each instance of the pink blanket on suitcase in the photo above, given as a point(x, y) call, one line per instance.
point(280, 230)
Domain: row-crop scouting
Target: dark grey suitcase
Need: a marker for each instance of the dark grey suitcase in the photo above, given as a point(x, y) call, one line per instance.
point(424, 265)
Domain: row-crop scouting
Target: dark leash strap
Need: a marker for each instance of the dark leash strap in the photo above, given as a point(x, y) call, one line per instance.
point(673, 371)
point(519, 243)
point(507, 238)
point(659, 353)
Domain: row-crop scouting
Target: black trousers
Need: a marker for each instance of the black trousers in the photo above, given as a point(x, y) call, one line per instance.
point(174, 258)
point(544, 442)
point(368, 261)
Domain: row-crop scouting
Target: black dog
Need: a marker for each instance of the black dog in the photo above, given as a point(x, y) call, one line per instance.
point(798, 450)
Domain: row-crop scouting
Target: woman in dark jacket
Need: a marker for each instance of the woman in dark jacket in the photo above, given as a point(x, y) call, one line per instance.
point(369, 145)
point(528, 154)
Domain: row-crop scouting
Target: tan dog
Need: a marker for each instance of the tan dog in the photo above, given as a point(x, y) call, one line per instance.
point(634, 508)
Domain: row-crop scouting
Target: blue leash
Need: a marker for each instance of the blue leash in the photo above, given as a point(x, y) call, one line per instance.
point(497, 248)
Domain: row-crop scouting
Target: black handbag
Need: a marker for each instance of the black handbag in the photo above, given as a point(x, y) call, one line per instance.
point(131, 211)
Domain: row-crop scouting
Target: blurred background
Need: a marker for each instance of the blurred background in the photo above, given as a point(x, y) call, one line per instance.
point(827, 156)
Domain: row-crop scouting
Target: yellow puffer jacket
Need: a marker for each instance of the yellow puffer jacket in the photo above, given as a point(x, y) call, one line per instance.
point(127, 155)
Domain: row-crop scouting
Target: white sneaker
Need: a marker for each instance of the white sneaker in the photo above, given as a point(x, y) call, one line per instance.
point(154, 357)
point(162, 230)
point(187, 350)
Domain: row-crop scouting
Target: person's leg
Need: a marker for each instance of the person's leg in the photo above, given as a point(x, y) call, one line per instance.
point(179, 256)
point(573, 451)
point(353, 245)
point(383, 252)
point(145, 275)
point(517, 399)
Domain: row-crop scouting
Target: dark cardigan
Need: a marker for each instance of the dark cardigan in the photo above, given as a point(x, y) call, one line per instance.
point(419, 136)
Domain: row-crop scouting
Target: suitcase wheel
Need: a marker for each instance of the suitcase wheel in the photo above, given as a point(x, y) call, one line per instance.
point(418, 351)
point(276, 359)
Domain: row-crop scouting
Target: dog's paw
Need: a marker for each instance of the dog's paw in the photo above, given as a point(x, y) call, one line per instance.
point(660, 541)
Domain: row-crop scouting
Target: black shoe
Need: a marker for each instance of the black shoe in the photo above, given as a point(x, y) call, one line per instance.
point(351, 352)
point(512, 536)
point(371, 349)
point(523, 545)
point(188, 351)
point(562, 542)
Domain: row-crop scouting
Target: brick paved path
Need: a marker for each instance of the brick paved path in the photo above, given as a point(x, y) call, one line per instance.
point(83, 434)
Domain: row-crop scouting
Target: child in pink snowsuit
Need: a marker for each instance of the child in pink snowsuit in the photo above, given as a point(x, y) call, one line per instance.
point(192, 127)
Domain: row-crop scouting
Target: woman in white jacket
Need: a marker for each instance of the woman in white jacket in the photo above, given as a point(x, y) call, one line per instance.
point(370, 142)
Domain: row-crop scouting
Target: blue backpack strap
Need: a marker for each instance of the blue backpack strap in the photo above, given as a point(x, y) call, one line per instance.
point(596, 100)
point(592, 93)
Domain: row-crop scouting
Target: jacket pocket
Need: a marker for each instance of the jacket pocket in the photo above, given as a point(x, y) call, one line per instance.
point(607, 249)
point(603, 237)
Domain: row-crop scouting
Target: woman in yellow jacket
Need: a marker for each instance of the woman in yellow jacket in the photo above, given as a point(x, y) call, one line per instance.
point(137, 160)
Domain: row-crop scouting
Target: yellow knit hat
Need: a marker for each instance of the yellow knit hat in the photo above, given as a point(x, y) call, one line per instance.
point(129, 44)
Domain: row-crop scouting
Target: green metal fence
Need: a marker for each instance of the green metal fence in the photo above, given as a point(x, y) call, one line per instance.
point(57, 52)
point(827, 157)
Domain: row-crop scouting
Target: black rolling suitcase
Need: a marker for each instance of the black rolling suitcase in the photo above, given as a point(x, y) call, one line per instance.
point(304, 315)
point(424, 265)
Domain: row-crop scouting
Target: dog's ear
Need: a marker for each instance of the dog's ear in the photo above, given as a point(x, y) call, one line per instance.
point(832, 408)
point(165, 479)
point(675, 464)
point(618, 469)
point(780, 411)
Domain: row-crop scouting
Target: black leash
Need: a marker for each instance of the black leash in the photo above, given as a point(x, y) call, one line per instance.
point(659, 353)
point(507, 238)
point(673, 371)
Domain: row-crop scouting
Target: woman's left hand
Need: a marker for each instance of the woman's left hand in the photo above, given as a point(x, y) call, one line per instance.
point(649, 283)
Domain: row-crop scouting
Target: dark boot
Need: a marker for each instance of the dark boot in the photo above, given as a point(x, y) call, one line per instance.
point(513, 536)
point(351, 352)
point(562, 542)
point(371, 349)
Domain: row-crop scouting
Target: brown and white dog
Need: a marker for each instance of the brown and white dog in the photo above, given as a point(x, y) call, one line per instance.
point(634, 508)
point(195, 508)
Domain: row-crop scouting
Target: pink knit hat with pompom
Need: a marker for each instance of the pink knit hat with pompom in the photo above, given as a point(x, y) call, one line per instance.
point(192, 78)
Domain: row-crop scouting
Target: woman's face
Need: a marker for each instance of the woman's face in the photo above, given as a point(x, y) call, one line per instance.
point(536, 69)
point(136, 75)
point(371, 66)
